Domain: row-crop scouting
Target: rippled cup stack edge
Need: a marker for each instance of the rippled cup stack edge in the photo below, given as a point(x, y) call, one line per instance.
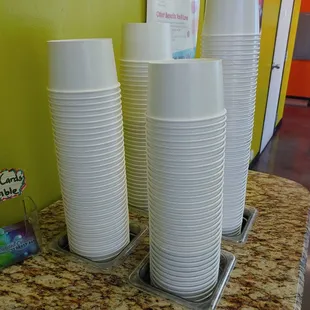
point(186, 134)
point(231, 33)
point(85, 103)
point(141, 43)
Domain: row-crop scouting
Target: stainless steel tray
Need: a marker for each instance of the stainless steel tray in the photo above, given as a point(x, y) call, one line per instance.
point(141, 279)
point(249, 217)
point(137, 232)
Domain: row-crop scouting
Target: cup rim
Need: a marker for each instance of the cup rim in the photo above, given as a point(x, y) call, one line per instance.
point(55, 91)
point(117, 140)
point(82, 116)
point(91, 180)
point(195, 148)
point(70, 129)
point(122, 60)
point(82, 99)
point(160, 120)
point(233, 36)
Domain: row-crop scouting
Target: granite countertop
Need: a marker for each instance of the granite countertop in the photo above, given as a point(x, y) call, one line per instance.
point(269, 273)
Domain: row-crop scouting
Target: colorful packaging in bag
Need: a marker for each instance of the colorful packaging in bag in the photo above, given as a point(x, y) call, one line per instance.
point(183, 15)
point(18, 241)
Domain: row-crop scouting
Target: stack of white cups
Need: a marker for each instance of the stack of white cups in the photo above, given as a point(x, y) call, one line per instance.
point(85, 103)
point(231, 33)
point(186, 132)
point(141, 44)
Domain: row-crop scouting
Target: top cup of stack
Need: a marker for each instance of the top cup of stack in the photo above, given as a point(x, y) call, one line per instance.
point(231, 17)
point(173, 87)
point(81, 66)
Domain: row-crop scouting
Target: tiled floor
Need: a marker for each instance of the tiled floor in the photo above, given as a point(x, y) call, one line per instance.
point(288, 156)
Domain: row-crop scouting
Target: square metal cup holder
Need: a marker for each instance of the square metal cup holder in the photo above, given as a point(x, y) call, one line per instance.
point(137, 232)
point(140, 278)
point(249, 217)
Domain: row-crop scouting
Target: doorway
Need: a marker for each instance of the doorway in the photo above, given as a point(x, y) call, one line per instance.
point(277, 70)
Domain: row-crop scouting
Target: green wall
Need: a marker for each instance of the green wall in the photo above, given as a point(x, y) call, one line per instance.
point(25, 26)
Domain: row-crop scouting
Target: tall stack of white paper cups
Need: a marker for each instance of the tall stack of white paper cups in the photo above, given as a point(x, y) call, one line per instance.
point(231, 33)
point(186, 133)
point(141, 44)
point(85, 103)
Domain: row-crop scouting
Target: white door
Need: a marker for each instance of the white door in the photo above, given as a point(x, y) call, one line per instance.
point(277, 70)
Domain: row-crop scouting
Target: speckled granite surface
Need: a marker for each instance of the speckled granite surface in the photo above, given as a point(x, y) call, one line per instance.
point(268, 275)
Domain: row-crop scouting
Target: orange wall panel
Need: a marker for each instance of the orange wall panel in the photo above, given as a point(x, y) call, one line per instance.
point(300, 70)
point(299, 79)
point(305, 6)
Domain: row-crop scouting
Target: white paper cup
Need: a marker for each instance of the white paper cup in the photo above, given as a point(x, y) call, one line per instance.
point(78, 125)
point(209, 215)
point(185, 267)
point(89, 136)
point(186, 184)
point(241, 58)
point(136, 89)
point(72, 144)
point(130, 67)
point(81, 191)
point(188, 150)
point(94, 190)
point(182, 161)
point(95, 247)
point(75, 176)
point(199, 81)
point(79, 65)
point(92, 110)
point(100, 253)
point(85, 97)
point(202, 253)
point(134, 76)
point(203, 124)
point(146, 41)
point(138, 95)
point(88, 170)
point(189, 143)
point(87, 117)
point(220, 43)
point(232, 38)
point(194, 205)
point(119, 201)
point(171, 136)
point(253, 51)
point(232, 17)
point(178, 168)
point(130, 79)
point(105, 148)
point(107, 241)
point(191, 259)
point(98, 220)
point(183, 191)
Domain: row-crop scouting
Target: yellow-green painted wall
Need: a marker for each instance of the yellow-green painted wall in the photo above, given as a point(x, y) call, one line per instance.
point(269, 30)
point(25, 26)
point(288, 62)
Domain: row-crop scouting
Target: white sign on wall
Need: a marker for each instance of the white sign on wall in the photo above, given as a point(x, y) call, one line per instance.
point(12, 183)
point(183, 15)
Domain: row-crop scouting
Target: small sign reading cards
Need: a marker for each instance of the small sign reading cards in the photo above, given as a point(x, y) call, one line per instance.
point(12, 183)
